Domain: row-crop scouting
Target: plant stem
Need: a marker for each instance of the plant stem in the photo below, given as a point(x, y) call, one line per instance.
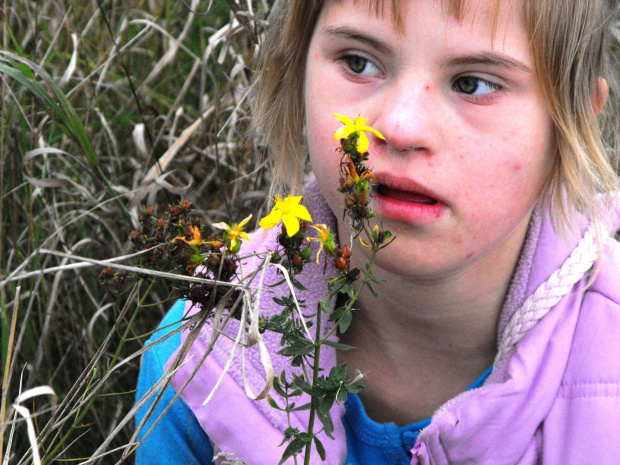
point(357, 294)
point(315, 373)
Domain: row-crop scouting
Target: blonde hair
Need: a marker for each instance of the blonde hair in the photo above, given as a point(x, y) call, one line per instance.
point(571, 43)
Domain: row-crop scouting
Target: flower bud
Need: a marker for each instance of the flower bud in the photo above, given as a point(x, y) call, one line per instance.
point(306, 253)
point(297, 260)
point(340, 264)
point(236, 248)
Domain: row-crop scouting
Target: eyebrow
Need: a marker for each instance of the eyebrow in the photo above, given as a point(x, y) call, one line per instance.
point(488, 59)
point(349, 33)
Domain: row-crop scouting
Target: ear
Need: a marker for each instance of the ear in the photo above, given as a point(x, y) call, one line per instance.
point(600, 95)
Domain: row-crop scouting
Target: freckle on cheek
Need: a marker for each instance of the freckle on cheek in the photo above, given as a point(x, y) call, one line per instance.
point(469, 255)
point(517, 167)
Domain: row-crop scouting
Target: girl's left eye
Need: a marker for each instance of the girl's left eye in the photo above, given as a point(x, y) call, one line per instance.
point(472, 85)
point(357, 65)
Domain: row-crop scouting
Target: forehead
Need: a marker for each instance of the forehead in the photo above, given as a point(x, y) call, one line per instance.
point(395, 8)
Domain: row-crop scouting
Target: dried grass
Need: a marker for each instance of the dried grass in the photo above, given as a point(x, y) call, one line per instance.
point(107, 106)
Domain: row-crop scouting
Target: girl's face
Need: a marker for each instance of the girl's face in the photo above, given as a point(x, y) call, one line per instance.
point(469, 141)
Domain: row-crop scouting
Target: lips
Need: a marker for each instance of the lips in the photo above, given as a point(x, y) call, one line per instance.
point(406, 196)
point(406, 190)
point(406, 200)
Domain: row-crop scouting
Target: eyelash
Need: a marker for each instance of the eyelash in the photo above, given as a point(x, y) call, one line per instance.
point(345, 62)
point(495, 87)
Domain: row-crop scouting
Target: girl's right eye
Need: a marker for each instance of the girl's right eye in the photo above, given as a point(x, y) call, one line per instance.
point(359, 66)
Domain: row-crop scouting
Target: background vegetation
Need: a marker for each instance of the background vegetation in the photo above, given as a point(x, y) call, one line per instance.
point(107, 106)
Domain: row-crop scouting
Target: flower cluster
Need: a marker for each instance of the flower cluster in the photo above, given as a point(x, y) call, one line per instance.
point(175, 242)
point(355, 179)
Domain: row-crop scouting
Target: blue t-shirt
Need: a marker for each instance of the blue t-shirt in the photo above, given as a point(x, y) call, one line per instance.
point(179, 439)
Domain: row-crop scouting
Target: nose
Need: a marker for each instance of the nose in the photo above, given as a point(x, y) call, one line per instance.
point(408, 118)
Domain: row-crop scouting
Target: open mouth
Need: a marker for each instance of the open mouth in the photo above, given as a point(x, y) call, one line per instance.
point(405, 196)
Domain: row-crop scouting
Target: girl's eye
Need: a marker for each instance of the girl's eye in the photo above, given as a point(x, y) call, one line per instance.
point(472, 85)
point(360, 66)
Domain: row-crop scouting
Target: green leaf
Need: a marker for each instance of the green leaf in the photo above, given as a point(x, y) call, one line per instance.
point(327, 402)
point(345, 321)
point(294, 448)
point(297, 348)
point(336, 314)
point(319, 448)
point(355, 388)
point(372, 290)
point(328, 424)
point(338, 345)
point(273, 403)
point(302, 407)
point(298, 285)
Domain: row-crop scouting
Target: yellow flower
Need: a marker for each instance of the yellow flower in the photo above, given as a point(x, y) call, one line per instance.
point(289, 211)
point(359, 127)
point(325, 239)
point(196, 237)
point(233, 234)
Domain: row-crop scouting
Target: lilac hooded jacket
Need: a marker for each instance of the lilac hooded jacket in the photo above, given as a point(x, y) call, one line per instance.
point(553, 397)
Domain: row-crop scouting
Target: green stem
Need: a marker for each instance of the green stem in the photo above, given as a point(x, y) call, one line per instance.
point(362, 286)
point(315, 374)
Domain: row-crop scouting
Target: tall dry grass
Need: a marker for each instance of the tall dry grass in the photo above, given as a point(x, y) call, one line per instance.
point(107, 105)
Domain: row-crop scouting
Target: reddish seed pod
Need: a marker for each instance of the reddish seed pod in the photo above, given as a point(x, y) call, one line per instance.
point(134, 236)
point(340, 264)
point(346, 252)
point(150, 210)
point(186, 204)
point(297, 261)
point(175, 209)
point(107, 272)
point(213, 260)
point(159, 237)
point(160, 223)
point(349, 201)
point(362, 198)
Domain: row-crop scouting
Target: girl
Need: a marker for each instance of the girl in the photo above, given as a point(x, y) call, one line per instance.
point(496, 339)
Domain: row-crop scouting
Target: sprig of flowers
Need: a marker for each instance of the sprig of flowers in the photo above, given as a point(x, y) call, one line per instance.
point(355, 184)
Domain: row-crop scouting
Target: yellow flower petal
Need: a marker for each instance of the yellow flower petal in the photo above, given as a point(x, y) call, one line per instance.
point(302, 212)
point(344, 131)
point(244, 235)
point(374, 131)
point(362, 143)
point(291, 223)
point(271, 220)
point(245, 221)
point(344, 119)
point(221, 225)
